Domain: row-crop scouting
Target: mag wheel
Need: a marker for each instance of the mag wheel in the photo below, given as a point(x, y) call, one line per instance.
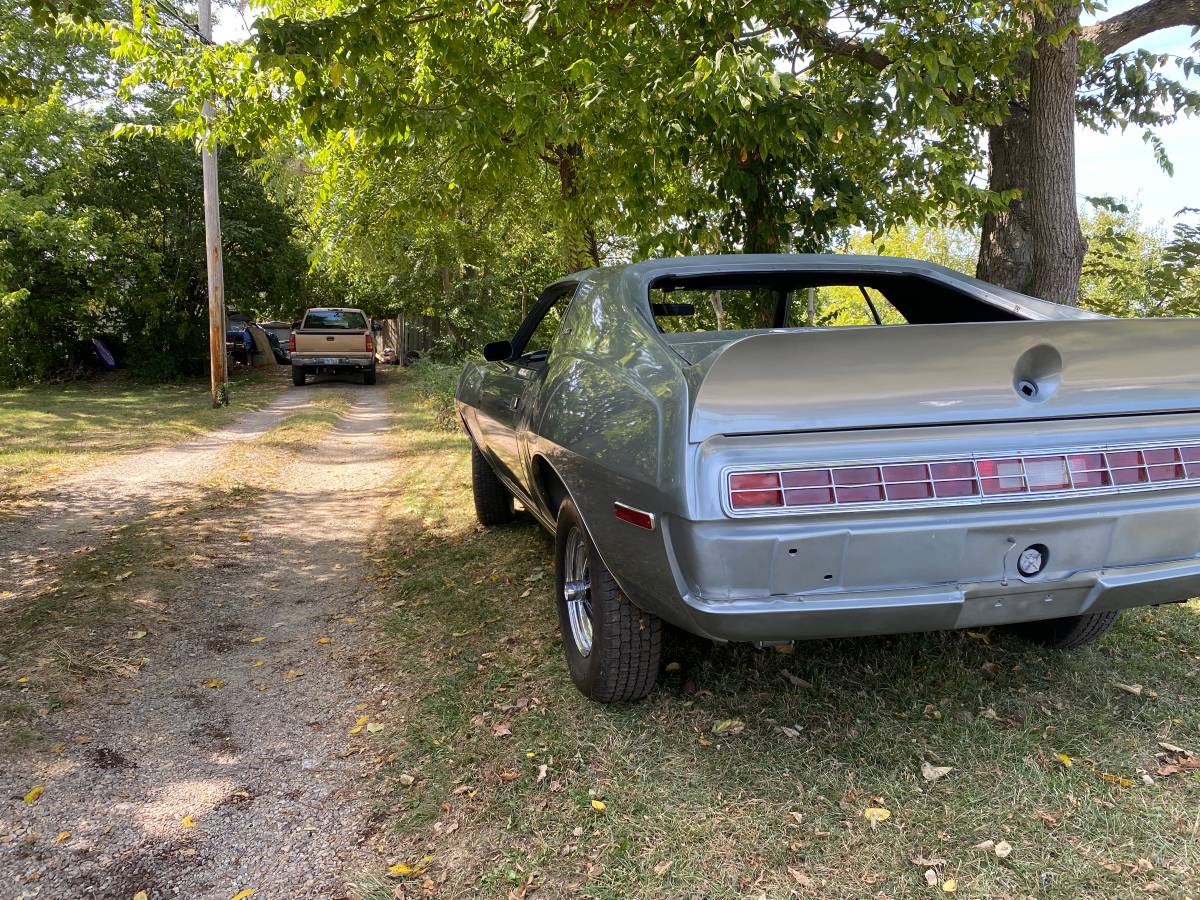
point(613, 649)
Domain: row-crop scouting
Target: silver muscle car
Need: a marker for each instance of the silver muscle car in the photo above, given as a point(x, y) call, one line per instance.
point(974, 457)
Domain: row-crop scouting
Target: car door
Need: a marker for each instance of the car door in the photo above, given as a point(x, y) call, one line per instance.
point(509, 385)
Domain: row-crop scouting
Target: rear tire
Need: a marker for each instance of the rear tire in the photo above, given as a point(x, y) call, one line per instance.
point(369, 376)
point(613, 649)
point(493, 502)
point(297, 376)
point(1069, 632)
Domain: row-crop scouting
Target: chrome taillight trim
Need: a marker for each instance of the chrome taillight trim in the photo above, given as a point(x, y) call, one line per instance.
point(1191, 478)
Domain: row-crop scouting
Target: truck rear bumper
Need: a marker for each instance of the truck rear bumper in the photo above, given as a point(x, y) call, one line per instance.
point(333, 362)
point(851, 614)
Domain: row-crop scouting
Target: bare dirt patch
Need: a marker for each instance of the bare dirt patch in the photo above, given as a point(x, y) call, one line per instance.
point(222, 761)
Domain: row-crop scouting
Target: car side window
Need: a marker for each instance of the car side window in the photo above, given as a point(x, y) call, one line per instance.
point(541, 327)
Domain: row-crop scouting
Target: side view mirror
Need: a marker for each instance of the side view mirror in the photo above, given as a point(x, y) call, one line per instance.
point(497, 351)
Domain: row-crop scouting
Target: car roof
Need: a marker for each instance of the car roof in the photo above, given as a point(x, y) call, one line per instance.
point(648, 271)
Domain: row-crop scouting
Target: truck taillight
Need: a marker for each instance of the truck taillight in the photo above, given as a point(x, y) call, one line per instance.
point(292, 342)
point(370, 343)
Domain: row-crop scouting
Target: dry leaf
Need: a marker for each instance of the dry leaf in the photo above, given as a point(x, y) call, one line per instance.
point(800, 878)
point(927, 862)
point(242, 895)
point(729, 726)
point(509, 776)
point(933, 773)
point(258, 640)
point(136, 635)
point(292, 673)
point(1114, 779)
point(931, 877)
point(406, 780)
point(356, 729)
point(62, 836)
point(188, 822)
point(543, 769)
point(374, 727)
point(214, 683)
point(599, 805)
point(244, 536)
point(1064, 759)
point(949, 886)
point(324, 639)
point(141, 895)
point(34, 794)
point(661, 869)
point(1135, 689)
point(400, 870)
point(1004, 850)
point(796, 680)
point(673, 667)
point(876, 814)
point(986, 846)
point(259, 663)
point(501, 730)
point(1171, 748)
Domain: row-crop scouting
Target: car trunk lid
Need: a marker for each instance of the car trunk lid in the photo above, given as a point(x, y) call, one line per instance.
point(911, 375)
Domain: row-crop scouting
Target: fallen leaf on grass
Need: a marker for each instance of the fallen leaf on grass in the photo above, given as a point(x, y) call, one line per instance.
point(933, 773)
point(1171, 748)
point(931, 878)
point(324, 639)
point(599, 805)
point(729, 726)
point(986, 846)
point(356, 729)
point(501, 730)
point(543, 769)
point(796, 680)
point(1135, 689)
point(34, 794)
point(1004, 850)
point(214, 683)
point(1115, 779)
point(136, 635)
point(927, 862)
point(876, 814)
point(24, 679)
point(800, 878)
point(400, 870)
point(62, 836)
point(661, 869)
point(258, 640)
point(406, 780)
point(374, 727)
point(509, 776)
point(1064, 759)
point(673, 667)
point(259, 663)
point(949, 886)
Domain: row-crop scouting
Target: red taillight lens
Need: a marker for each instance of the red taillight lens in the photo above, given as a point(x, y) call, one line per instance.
point(292, 342)
point(963, 479)
point(370, 343)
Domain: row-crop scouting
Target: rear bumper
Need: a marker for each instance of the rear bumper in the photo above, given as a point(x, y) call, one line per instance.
point(880, 573)
point(333, 362)
point(851, 614)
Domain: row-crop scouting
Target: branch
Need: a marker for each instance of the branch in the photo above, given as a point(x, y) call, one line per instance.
point(1116, 31)
point(836, 45)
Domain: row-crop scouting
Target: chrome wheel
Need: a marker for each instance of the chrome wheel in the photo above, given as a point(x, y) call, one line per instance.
point(577, 591)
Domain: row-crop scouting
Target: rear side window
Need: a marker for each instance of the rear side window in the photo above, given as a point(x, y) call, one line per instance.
point(335, 320)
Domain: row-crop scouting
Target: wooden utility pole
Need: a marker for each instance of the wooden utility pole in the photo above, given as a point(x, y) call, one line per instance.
point(212, 244)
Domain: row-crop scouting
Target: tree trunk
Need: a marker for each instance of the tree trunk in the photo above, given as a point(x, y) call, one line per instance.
point(579, 245)
point(1006, 245)
point(1058, 244)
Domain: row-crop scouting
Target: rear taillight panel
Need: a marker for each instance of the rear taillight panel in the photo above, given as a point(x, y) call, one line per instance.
point(974, 479)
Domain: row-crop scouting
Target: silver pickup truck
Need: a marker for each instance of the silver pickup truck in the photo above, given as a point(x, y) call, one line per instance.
point(710, 455)
point(332, 340)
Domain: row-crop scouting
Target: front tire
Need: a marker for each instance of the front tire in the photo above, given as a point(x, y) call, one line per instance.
point(297, 376)
point(369, 376)
point(493, 502)
point(613, 649)
point(1069, 632)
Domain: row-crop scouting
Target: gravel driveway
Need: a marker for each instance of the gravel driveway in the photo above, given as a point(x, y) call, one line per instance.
point(225, 764)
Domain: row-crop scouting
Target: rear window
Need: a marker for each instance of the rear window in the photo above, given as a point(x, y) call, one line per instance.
point(335, 320)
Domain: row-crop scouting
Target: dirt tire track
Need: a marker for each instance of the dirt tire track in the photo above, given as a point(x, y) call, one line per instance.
point(259, 762)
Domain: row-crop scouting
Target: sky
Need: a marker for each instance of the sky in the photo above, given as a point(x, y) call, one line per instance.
point(1113, 164)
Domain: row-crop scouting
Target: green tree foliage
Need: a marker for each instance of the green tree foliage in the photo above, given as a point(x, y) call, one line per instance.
point(104, 237)
point(1134, 271)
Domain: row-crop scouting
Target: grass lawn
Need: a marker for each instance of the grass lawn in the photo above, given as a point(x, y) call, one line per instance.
point(499, 777)
point(56, 430)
